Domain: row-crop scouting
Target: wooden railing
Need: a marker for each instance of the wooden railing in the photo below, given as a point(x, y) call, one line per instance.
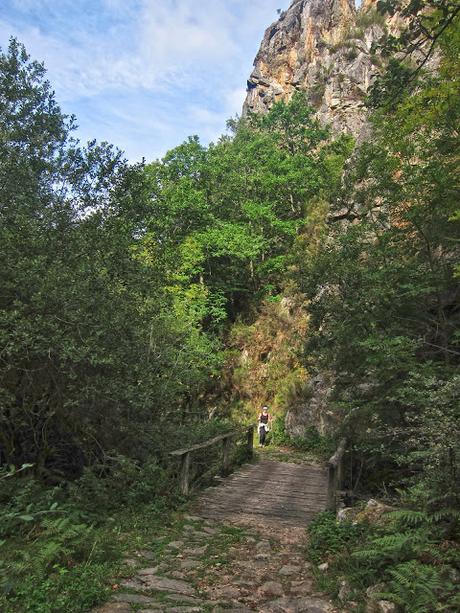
point(186, 455)
point(335, 476)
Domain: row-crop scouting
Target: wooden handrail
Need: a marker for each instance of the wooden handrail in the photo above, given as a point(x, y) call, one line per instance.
point(185, 454)
point(335, 475)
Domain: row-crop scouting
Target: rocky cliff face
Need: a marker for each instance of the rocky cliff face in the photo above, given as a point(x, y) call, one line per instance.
point(325, 48)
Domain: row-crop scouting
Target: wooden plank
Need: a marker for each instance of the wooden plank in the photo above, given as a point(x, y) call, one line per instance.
point(270, 488)
point(208, 443)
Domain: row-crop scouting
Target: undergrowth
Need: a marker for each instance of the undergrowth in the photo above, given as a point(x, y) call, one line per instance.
point(405, 558)
point(312, 441)
point(61, 545)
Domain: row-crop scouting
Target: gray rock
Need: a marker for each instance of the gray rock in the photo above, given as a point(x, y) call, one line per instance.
point(114, 607)
point(323, 567)
point(229, 591)
point(175, 545)
point(264, 547)
point(184, 609)
point(194, 518)
point(344, 590)
point(189, 564)
point(131, 562)
point(270, 588)
point(134, 599)
point(165, 584)
point(177, 574)
point(288, 569)
point(385, 606)
point(197, 551)
point(148, 571)
point(198, 534)
point(133, 584)
point(180, 598)
point(302, 588)
point(209, 530)
point(148, 555)
point(297, 605)
point(380, 606)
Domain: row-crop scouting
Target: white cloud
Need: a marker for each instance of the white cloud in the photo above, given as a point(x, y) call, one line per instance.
point(178, 66)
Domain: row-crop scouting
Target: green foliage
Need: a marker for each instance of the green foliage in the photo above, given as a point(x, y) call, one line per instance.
point(404, 556)
point(312, 441)
point(329, 536)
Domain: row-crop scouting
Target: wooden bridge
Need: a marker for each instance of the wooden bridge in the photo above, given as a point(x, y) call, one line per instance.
point(266, 492)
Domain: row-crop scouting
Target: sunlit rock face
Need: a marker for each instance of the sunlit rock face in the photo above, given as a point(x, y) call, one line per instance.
point(325, 48)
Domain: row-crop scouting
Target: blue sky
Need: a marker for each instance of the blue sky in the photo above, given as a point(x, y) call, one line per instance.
point(144, 74)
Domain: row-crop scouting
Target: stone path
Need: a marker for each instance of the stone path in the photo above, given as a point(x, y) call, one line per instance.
point(215, 567)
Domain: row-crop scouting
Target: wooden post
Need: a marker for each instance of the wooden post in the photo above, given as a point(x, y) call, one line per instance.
point(226, 455)
point(250, 441)
point(331, 488)
point(185, 474)
point(335, 476)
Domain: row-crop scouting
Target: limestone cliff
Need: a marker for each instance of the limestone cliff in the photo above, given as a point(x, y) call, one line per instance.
point(326, 48)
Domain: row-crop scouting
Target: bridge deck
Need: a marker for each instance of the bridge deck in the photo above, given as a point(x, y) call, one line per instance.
point(269, 492)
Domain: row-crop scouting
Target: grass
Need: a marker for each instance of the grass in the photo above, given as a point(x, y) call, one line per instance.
point(284, 453)
point(50, 575)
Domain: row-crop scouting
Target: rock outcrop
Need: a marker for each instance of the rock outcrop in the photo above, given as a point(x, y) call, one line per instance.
point(326, 48)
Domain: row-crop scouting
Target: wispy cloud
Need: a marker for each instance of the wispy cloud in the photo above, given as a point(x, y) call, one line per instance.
point(144, 72)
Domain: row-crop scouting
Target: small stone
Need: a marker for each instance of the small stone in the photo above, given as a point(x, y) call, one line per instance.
point(130, 562)
point(114, 607)
point(184, 610)
point(180, 598)
point(177, 574)
point(301, 588)
point(134, 599)
point(263, 547)
point(271, 588)
point(198, 551)
point(192, 518)
point(148, 571)
point(200, 535)
point(297, 605)
point(175, 545)
point(289, 570)
point(209, 530)
point(189, 564)
point(262, 556)
point(229, 591)
point(165, 584)
point(324, 567)
point(344, 591)
point(385, 606)
point(148, 555)
point(133, 584)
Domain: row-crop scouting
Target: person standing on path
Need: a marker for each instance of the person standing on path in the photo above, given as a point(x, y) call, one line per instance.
point(264, 425)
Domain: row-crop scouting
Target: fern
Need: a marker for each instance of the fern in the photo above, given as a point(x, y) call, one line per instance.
point(410, 518)
point(415, 587)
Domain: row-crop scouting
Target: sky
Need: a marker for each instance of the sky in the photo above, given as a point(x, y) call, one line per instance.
point(144, 74)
